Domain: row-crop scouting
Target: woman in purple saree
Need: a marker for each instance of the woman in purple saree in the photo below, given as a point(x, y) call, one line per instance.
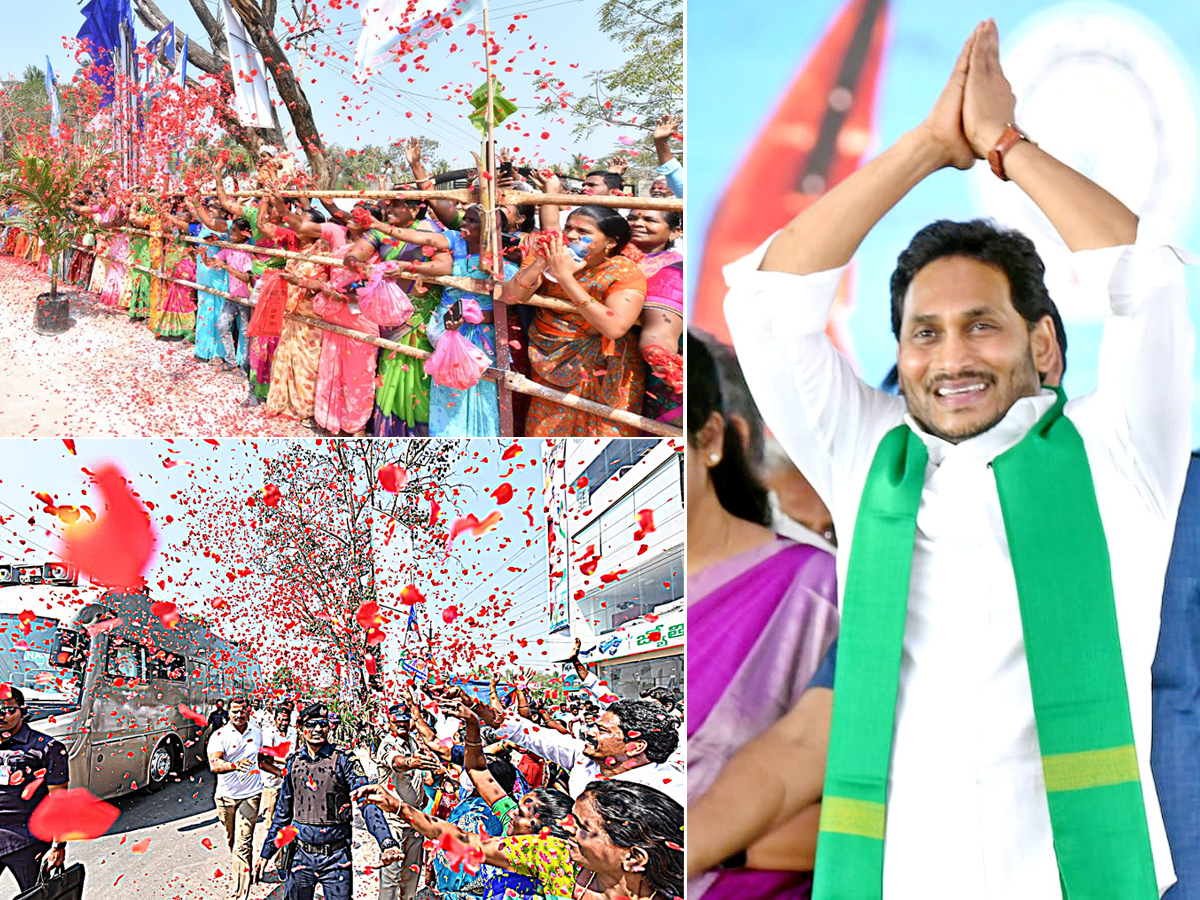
point(762, 610)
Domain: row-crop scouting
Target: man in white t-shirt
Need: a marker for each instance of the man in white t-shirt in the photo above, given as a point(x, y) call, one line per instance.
point(235, 757)
point(276, 732)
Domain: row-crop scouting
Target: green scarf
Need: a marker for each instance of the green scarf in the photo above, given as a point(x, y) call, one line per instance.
point(1061, 566)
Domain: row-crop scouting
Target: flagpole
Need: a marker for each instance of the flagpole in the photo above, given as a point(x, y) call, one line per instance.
point(492, 234)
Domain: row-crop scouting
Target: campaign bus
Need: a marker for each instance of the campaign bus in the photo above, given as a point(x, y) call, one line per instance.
point(104, 675)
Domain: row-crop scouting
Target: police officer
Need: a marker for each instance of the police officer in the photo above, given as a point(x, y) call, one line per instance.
point(315, 798)
point(24, 753)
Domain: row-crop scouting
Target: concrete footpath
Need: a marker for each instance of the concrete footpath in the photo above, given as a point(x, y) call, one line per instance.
point(109, 376)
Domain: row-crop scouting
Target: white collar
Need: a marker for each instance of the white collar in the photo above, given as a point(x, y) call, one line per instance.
point(1005, 434)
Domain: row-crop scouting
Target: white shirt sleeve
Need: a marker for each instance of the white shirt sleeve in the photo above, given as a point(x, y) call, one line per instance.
point(591, 684)
point(1144, 377)
point(822, 414)
point(545, 742)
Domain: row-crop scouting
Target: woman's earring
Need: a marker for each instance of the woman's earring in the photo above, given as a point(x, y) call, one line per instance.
point(714, 458)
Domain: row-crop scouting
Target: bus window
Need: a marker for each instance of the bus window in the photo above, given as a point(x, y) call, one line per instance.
point(124, 660)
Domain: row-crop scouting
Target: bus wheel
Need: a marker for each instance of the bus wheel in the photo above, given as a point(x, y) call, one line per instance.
point(162, 765)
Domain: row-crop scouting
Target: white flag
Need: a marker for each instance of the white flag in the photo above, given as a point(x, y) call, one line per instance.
point(385, 22)
point(250, 94)
point(180, 76)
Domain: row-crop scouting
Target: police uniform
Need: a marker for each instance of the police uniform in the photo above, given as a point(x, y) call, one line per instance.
point(315, 798)
point(25, 753)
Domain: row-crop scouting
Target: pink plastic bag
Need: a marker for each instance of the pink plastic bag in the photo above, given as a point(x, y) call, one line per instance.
point(382, 301)
point(456, 362)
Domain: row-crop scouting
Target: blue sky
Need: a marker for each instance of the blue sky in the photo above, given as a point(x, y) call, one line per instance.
point(29, 466)
point(564, 32)
point(740, 68)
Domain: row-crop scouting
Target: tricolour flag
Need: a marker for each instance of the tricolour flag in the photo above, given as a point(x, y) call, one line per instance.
point(52, 93)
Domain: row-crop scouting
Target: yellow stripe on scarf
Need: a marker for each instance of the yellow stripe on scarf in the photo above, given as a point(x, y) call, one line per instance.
point(1090, 768)
point(859, 817)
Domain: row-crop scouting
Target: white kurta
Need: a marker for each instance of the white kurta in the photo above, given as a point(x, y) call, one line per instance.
point(967, 813)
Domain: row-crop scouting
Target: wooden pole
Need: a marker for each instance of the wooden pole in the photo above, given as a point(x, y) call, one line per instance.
point(473, 285)
point(513, 380)
point(491, 233)
point(516, 198)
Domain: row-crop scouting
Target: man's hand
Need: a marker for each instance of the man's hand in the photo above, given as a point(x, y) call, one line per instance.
point(988, 101)
point(618, 165)
point(943, 127)
point(412, 152)
point(391, 855)
point(54, 858)
point(260, 868)
point(667, 126)
point(458, 710)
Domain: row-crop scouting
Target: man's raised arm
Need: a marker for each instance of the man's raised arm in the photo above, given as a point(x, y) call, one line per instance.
point(1085, 215)
point(826, 234)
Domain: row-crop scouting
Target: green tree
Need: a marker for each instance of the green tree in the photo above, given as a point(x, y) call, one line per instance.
point(646, 85)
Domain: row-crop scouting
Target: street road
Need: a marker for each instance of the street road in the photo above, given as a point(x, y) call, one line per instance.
point(177, 865)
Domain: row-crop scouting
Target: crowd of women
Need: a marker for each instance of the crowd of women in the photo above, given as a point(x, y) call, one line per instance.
point(620, 343)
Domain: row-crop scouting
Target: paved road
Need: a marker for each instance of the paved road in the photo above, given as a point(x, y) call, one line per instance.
point(177, 866)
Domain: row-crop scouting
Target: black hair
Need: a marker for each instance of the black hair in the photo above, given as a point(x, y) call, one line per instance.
point(529, 212)
point(503, 771)
point(609, 221)
point(374, 210)
point(614, 181)
point(550, 808)
point(663, 695)
point(283, 708)
point(1002, 248)
point(737, 488)
point(241, 224)
point(637, 815)
point(316, 215)
point(645, 720)
point(736, 397)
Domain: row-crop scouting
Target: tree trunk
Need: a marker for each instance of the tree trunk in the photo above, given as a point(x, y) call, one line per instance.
point(259, 27)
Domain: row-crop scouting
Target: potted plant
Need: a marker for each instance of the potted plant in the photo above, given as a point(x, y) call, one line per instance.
point(45, 186)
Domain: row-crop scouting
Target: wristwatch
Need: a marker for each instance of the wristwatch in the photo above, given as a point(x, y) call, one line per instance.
point(1011, 136)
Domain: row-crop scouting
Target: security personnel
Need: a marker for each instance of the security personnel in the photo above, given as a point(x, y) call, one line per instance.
point(25, 756)
point(315, 798)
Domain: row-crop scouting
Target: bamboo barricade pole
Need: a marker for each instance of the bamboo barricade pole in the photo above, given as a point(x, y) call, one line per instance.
point(515, 198)
point(467, 284)
point(514, 380)
point(491, 233)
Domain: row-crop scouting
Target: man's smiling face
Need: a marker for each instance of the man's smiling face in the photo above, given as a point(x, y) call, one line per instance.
point(965, 354)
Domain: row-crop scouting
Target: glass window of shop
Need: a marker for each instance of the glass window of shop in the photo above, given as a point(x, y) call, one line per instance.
point(615, 457)
point(651, 584)
point(628, 679)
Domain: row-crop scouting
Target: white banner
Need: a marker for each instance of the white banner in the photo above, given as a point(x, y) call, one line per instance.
point(420, 20)
point(250, 95)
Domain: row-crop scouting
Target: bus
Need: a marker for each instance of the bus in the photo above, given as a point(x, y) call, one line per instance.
point(102, 674)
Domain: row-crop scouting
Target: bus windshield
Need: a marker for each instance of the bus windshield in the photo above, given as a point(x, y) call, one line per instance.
point(26, 642)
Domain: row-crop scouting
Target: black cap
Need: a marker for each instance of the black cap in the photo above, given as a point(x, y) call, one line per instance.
point(399, 712)
point(314, 713)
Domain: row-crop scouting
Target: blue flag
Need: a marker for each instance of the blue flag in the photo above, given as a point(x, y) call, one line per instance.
point(101, 33)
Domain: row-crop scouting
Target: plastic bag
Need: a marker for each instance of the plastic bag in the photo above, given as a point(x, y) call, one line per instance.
point(456, 362)
point(382, 301)
point(267, 318)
